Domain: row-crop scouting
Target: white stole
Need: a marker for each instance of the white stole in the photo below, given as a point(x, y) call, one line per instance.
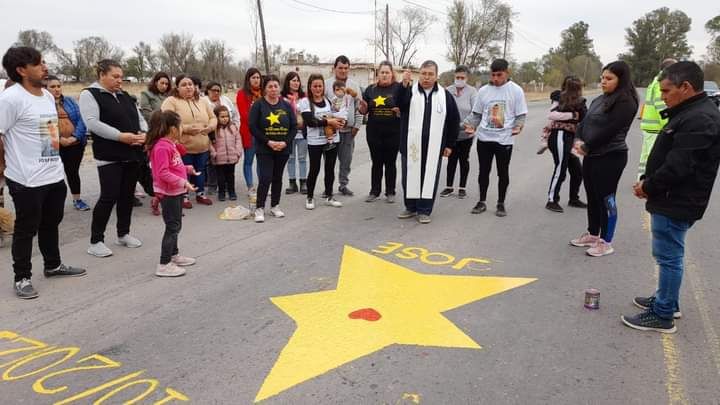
point(414, 189)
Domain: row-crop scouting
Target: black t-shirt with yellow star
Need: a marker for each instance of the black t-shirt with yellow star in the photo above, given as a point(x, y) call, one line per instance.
point(272, 123)
point(381, 101)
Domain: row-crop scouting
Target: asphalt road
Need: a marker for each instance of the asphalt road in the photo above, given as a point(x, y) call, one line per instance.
point(214, 336)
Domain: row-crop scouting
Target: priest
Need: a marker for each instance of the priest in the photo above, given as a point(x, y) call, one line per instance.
point(430, 122)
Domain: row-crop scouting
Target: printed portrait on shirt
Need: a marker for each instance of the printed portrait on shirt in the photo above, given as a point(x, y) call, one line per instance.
point(49, 135)
point(496, 115)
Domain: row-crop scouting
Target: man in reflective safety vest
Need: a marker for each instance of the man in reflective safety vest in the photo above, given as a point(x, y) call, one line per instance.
point(651, 122)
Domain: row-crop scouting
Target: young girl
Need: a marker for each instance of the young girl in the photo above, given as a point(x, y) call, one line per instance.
point(225, 153)
point(170, 185)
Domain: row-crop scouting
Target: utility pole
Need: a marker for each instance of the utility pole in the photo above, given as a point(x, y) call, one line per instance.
point(264, 42)
point(507, 31)
point(375, 32)
point(387, 31)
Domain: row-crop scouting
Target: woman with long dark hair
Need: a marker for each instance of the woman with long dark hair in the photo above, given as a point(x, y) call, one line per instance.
point(250, 92)
point(564, 117)
point(72, 139)
point(380, 101)
point(273, 126)
point(292, 92)
point(198, 120)
point(317, 115)
point(157, 91)
point(118, 133)
point(600, 139)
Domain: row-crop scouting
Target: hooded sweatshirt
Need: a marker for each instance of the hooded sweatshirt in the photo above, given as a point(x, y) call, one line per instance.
point(192, 112)
point(168, 171)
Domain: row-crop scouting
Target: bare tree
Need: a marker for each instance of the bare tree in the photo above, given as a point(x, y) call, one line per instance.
point(407, 26)
point(476, 33)
point(40, 40)
point(215, 56)
point(177, 53)
point(85, 54)
point(145, 60)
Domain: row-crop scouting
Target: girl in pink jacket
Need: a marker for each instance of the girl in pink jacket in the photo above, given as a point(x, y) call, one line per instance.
point(225, 153)
point(170, 185)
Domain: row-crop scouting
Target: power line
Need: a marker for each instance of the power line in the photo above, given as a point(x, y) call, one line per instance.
point(425, 7)
point(331, 10)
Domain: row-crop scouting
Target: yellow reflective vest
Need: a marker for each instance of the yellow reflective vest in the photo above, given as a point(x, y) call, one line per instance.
point(651, 121)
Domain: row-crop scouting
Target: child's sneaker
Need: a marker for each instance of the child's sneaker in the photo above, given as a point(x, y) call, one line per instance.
point(183, 261)
point(80, 205)
point(585, 240)
point(259, 215)
point(169, 270)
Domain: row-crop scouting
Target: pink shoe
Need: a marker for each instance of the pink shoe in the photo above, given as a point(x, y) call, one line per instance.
point(585, 240)
point(600, 249)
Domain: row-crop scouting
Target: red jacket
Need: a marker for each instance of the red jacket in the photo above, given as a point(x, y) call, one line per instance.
point(244, 102)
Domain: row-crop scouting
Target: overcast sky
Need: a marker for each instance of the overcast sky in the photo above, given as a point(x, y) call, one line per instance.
point(327, 34)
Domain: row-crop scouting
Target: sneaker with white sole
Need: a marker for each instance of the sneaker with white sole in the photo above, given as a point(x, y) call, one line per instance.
point(259, 215)
point(600, 249)
point(332, 202)
point(169, 270)
point(25, 290)
point(99, 250)
point(277, 212)
point(649, 321)
point(129, 241)
point(647, 303)
point(585, 240)
point(310, 204)
point(182, 261)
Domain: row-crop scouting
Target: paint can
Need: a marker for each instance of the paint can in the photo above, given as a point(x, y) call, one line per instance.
point(592, 298)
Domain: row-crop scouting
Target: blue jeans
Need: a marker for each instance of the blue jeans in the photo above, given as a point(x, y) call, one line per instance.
point(668, 248)
point(299, 147)
point(247, 166)
point(200, 162)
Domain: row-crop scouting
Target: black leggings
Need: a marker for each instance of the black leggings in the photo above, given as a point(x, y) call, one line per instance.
point(172, 216)
point(316, 153)
point(270, 167)
point(502, 154)
point(602, 175)
point(460, 154)
point(560, 144)
point(384, 146)
point(71, 157)
point(225, 178)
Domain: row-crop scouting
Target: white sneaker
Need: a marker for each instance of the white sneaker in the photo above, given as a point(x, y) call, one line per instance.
point(332, 202)
point(129, 241)
point(169, 270)
point(276, 212)
point(310, 204)
point(99, 250)
point(259, 215)
point(183, 261)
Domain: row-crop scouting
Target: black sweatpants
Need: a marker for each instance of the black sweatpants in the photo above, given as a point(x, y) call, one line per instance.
point(602, 175)
point(117, 189)
point(271, 167)
point(172, 216)
point(384, 145)
point(316, 153)
point(460, 154)
point(145, 176)
point(560, 144)
point(71, 157)
point(502, 153)
point(38, 210)
point(225, 178)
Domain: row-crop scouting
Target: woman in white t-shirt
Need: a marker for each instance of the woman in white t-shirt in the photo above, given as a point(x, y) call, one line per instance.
point(321, 127)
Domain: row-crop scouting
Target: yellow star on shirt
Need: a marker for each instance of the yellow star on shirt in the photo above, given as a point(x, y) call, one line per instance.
point(273, 118)
point(379, 100)
point(376, 304)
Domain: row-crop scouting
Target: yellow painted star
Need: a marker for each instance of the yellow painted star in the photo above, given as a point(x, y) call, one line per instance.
point(376, 304)
point(379, 100)
point(273, 118)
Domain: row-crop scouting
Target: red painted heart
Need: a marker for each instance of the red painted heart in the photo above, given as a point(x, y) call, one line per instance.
point(367, 314)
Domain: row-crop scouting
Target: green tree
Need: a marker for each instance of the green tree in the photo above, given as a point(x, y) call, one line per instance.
point(657, 35)
point(574, 56)
point(476, 32)
point(529, 72)
point(576, 42)
point(713, 28)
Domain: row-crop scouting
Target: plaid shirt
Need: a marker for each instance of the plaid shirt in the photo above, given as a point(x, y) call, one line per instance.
point(73, 111)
